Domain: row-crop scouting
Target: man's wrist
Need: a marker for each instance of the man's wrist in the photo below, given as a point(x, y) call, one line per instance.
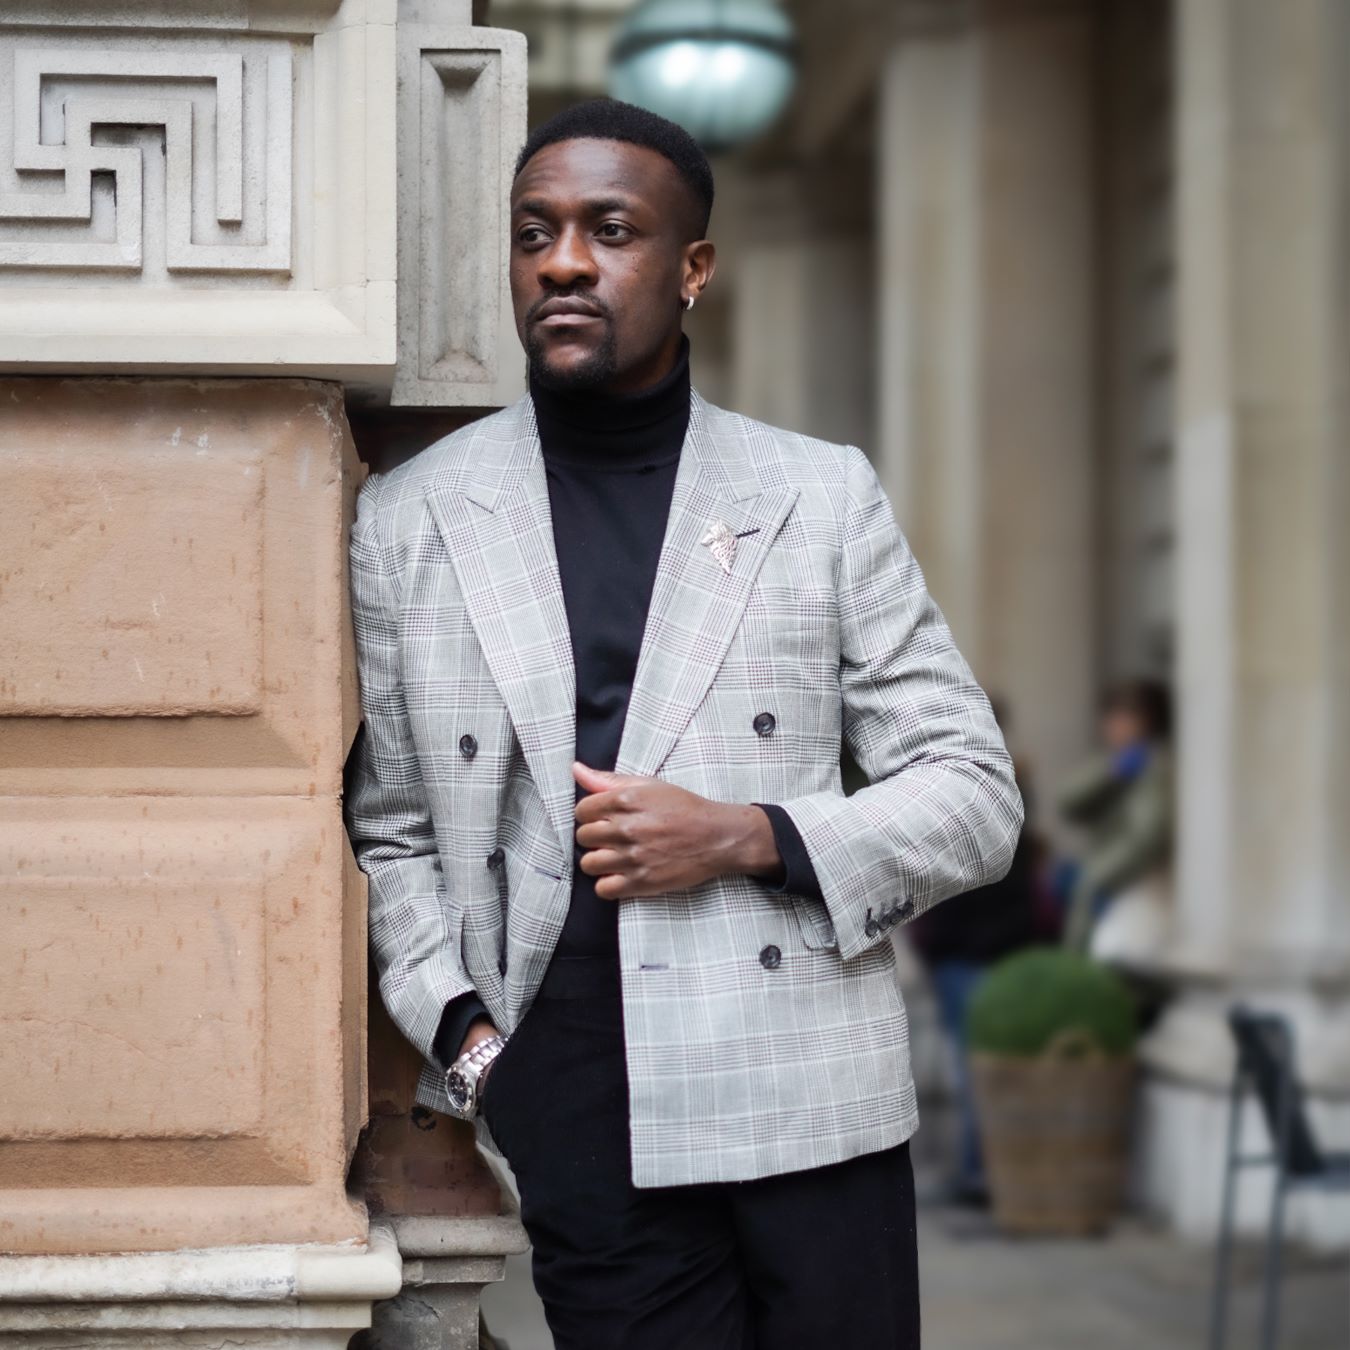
point(748, 847)
point(480, 1029)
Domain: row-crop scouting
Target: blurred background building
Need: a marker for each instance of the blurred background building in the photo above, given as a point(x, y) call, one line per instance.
point(1074, 273)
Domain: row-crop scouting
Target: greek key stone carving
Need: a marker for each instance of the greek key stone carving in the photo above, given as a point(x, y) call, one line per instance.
point(81, 186)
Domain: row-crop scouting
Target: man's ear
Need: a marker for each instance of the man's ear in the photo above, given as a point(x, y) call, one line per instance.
point(700, 262)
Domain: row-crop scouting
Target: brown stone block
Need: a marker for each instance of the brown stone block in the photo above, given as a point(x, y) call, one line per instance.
point(171, 997)
point(182, 976)
point(132, 579)
point(166, 1218)
point(429, 1168)
point(172, 590)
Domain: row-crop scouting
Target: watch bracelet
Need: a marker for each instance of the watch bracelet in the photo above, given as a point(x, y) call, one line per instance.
point(482, 1054)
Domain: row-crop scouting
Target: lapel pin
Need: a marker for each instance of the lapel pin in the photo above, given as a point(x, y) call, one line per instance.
point(721, 543)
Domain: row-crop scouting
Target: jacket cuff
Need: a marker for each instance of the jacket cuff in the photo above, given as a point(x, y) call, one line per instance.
point(799, 873)
point(857, 869)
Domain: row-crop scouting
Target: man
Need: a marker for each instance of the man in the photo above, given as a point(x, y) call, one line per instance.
point(610, 639)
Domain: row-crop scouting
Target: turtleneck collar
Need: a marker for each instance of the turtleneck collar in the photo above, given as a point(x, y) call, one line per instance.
point(623, 431)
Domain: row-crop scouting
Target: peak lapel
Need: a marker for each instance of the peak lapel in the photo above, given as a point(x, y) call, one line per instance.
point(698, 598)
point(499, 534)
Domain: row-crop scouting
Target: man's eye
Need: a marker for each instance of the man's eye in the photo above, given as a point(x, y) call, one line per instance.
point(612, 229)
point(531, 234)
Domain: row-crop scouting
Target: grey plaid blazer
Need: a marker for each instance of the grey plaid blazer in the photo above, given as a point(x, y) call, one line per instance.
point(738, 1066)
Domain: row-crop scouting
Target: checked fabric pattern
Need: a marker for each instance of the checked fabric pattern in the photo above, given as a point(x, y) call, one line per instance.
point(764, 1033)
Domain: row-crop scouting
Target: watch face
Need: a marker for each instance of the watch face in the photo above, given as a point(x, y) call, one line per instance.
point(458, 1090)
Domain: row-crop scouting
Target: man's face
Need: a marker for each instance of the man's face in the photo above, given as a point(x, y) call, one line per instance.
point(602, 257)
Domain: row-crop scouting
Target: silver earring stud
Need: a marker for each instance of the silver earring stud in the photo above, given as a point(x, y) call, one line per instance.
point(689, 302)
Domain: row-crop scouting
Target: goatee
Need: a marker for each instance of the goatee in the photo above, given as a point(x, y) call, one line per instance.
point(595, 372)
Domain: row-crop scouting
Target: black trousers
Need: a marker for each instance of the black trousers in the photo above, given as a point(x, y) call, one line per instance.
point(825, 1257)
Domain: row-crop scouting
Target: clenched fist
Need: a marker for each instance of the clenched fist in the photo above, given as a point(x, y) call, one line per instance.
point(644, 837)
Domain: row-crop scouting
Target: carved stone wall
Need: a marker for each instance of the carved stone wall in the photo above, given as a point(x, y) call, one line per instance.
point(93, 111)
point(456, 343)
point(202, 202)
point(236, 188)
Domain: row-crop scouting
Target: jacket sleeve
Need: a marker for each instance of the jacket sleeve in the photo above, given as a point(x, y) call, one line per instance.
point(941, 813)
point(414, 925)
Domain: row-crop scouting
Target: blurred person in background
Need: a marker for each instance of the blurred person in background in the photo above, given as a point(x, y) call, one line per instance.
point(610, 640)
point(1115, 888)
point(958, 942)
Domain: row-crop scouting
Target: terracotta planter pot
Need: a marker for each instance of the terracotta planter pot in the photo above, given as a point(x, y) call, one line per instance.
point(1055, 1131)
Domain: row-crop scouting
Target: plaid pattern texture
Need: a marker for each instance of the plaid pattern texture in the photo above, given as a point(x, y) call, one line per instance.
point(743, 1061)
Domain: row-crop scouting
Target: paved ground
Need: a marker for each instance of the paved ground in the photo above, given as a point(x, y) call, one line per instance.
point(1136, 1290)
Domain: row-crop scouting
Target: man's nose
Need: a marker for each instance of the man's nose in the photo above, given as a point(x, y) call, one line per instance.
point(568, 262)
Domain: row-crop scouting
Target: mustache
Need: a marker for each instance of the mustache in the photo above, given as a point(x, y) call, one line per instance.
point(568, 293)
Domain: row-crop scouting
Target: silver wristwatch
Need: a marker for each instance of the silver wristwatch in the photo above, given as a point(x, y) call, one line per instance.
point(464, 1075)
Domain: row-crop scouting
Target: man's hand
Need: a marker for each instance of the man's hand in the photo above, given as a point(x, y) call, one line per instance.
point(645, 837)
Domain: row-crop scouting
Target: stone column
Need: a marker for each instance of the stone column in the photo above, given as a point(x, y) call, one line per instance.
point(220, 225)
point(985, 345)
point(795, 284)
point(1263, 610)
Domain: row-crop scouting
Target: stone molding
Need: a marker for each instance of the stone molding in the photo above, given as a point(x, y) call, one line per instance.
point(245, 202)
point(461, 124)
point(260, 240)
point(261, 187)
point(446, 1263)
point(260, 1273)
point(260, 1297)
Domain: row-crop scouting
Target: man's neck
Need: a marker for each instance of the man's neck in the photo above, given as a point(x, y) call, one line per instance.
point(606, 427)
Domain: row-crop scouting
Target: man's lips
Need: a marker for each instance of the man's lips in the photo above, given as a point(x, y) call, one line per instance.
point(563, 311)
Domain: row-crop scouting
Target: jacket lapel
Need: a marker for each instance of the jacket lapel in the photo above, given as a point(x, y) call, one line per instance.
point(697, 603)
point(499, 534)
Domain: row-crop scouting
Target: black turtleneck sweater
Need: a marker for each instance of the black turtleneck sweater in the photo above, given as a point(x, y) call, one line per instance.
point(611, 465)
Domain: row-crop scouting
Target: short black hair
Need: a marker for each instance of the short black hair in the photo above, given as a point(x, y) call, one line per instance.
point(609, 119)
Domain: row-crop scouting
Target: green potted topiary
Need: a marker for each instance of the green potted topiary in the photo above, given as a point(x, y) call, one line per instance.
point(1052, 1039)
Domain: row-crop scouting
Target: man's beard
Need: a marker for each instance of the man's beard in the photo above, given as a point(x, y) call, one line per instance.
point(596, 371)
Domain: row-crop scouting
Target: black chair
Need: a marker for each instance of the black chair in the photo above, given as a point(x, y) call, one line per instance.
point(1265, 1063)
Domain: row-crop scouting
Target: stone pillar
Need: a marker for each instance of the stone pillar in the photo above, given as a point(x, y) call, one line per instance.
point(795, 278)
point(1263, 611)
point(986, 345)
point(183, 1058)
point(193, 197)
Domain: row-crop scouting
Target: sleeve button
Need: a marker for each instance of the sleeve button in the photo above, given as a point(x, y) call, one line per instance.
point(764, 724)
point(468, 746)
point(496, 858)
point(770, 957)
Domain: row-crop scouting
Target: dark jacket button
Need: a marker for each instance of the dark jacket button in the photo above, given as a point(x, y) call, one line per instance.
point(905, 910)
point(764, 724)
point(496, 858)
point(770, 957)
point(468, 746)
point(871, 927)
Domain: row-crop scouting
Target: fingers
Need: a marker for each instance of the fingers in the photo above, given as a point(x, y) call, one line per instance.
point(617, 800)
point(602, 862)
point(614, 887)
point(618, 876)
point(597, 780)
point(604, 833)
point(619, 887)
point(595, 808)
